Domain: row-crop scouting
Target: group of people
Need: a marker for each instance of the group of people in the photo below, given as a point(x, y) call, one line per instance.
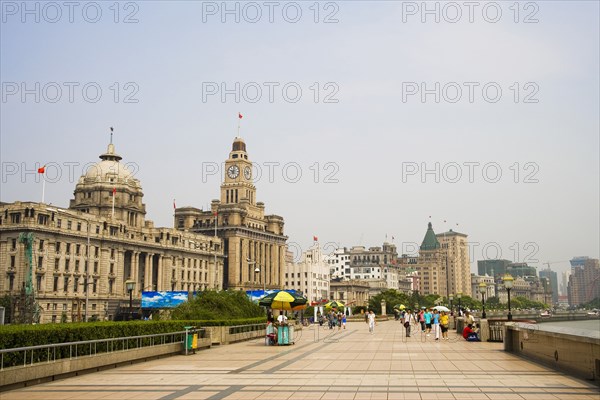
point(334, 318)
point(428, 321)
point(436, 322)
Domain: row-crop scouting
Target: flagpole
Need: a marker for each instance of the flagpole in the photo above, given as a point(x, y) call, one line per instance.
point(113, 203)
point(239, 113)
point(43, 187)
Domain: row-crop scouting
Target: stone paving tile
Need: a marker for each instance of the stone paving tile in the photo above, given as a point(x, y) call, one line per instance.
point(350, 364)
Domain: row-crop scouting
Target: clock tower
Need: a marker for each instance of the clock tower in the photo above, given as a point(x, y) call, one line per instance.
point(238, 184)
point(253, 243)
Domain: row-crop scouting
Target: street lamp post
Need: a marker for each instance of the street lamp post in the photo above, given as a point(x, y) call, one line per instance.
point(130, 285)
point(482, 290)
point(257, 270)
point(458, 296)
point(450, 298)
point(508, 284)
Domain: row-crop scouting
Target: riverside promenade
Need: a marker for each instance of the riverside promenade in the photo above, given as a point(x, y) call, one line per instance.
point(325, 364)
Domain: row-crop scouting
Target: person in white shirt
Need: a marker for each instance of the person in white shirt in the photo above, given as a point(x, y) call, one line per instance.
point(371, 318)
point(469, 319)
point(282, 319)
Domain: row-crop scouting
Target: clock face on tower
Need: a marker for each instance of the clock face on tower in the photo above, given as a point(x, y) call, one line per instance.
point(233, 171)
point(247, 173)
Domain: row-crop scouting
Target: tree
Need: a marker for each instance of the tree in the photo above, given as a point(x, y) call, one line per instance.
point(493, 303)
point(229, 304)
point(470, 303)
point(392, 298)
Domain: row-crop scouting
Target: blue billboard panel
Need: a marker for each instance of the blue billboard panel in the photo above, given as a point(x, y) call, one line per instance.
point(163, 299)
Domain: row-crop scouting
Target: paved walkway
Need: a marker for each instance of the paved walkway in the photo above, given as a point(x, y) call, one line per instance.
point(350, 364)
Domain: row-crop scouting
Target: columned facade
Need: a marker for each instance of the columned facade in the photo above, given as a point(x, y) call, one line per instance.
point(122, 246)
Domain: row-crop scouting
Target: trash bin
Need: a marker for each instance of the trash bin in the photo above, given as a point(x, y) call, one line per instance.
point(191, 340)
point(460, 325)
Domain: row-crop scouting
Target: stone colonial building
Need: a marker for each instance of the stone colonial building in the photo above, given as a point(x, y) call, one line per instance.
point(101, 240)
point(250, 238)
point(443, 263)
point(352, 292)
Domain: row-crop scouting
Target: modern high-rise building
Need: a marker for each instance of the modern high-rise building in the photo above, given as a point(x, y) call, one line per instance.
point(578, 261)
point(251, 239)
point(553, 279)
point(492, 267)
point(584, 282)
point(74, 262)
point(521, 269)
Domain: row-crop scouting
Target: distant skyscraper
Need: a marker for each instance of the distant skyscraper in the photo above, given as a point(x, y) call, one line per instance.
point(584, 282)
point(564, 283)
point(552, 277)
point(521, 269)
point(578, 262)
point(492, 267)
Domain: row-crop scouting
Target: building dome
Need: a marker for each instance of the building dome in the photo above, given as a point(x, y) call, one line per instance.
point(109, 189)
point(110, 170)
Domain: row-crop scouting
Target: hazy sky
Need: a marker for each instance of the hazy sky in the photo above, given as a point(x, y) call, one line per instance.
point(365, 118)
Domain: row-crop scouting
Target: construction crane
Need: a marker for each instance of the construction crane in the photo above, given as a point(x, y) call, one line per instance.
point(30, 311)
point(554, 262)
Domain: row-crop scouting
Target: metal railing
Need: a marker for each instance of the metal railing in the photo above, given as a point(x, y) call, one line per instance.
point(234, 329)
point(496, 328)
point(496, 331)
point(48, 353)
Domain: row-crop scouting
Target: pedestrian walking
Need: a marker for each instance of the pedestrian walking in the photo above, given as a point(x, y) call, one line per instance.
point(407, 321)
point(427, 316)
point(422, 320)
point(436, 324)
point(371, 318)
point(444, 321)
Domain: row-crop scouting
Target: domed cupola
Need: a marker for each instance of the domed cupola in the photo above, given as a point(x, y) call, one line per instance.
point(110, 185)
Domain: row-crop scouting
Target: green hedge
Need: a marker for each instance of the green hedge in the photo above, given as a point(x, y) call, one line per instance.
point(13, 336)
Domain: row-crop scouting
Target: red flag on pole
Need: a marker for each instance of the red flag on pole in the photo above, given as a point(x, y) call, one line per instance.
point(316, 239)
point(240, 116)
point(42, 169)
point(114, 191)
point(174, 206)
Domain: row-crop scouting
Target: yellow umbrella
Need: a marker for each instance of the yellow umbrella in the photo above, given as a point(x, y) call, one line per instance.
point(282, 300)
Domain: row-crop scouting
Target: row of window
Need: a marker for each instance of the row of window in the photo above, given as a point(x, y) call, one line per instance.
point(77, 284)
point(189, 276)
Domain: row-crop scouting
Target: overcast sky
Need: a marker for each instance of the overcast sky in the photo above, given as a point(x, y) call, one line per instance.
point(365, 118)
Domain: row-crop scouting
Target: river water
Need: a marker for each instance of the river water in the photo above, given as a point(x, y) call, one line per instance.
point(583, 328)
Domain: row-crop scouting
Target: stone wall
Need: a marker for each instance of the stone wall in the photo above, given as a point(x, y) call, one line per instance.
point(572, 354)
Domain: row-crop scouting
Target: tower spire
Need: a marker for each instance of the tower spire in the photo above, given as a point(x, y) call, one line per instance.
point(111, 133)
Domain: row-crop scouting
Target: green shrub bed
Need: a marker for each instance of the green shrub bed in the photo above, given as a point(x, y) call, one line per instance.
point(15, 336)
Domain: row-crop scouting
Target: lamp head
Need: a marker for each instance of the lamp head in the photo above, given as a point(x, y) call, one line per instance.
point(451, 297)
point(508, 281)
point(458, 295)
point(130, 285)
point(482, 287)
